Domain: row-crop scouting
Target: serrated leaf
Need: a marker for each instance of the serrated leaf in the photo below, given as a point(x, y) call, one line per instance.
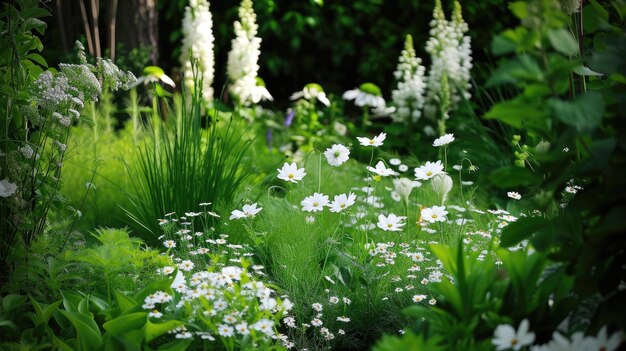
point(521, 229)
point(563, 41)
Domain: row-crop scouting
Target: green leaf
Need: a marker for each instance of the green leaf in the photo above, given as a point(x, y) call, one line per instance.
point(518, 114)
point(36, 24)
point(87, 332)
point(176, 345)
point(126, 323)
point(595, 17)
point(60, 344)
point(512, 176)
point(12, 301)
point(154, 330)
point(521, 229)
point(6, 324)
point(583, 113)
point(37, 58)
point(563, 41)
point(519, 9)
point(124, 302)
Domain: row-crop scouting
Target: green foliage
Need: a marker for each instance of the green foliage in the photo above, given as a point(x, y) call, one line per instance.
point(408, 342)
point(185, 165)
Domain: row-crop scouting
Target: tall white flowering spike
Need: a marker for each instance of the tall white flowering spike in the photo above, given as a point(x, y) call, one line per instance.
point(198, 38)
point(408, 97)
point(242, 65)
point(451, 61)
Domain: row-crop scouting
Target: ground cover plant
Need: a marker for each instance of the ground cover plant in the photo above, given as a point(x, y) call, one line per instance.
point(475, 203)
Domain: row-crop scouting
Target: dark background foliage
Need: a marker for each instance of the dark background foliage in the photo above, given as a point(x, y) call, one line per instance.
point(338, 44)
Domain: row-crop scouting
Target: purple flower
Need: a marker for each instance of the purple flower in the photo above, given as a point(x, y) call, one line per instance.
point(289, 118)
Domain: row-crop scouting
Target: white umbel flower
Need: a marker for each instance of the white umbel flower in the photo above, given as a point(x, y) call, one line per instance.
point(198, 38)
point(242, 65)
point(408, 97)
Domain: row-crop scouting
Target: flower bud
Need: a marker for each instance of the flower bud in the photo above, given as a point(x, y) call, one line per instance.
point(442, 184)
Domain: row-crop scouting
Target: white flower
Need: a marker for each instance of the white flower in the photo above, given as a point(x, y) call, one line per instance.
point(242, 65)
point(317, 307)
point(603, 342)
point(443, 140)
point(514, 195)
point(314, 203)
point(382, 170)
point(408, 97)
point(376, 141)
point(198, 37)
point(291, 172)
point(264, 326)
point(403, 168)
point(403, 187)
point(7, 188)
point(310, 92)
point(434, 214)
point(343, 319)
point(186, 266)
point(316, 322)
point(506, 337)
point(337, 154)
point(442, 184)
point(390, 223)
point(242, 328)
point(429, 170)
point(341, 202)
point(367, 94)
point(395, 162)
point(419, 298)
point(170, 244)
point(247, 211)
point(155, 314)
point(225, 330)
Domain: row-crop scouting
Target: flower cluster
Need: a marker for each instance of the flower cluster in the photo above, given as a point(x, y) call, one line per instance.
point(408, 97)
point(451, 61)
point(242, 65)
point(198, 45)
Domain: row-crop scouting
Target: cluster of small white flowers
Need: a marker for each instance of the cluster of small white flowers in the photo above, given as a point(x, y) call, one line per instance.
point(451, 56)
point(408, 97)
point(242, 65)
point(198, 45)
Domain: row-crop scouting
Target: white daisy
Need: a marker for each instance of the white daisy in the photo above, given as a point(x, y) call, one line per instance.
point(506, 337)
point(434, 214)
point(291, 172)
point(376, 141)
point(443, 140)
point(310, 92)
point(337, 154)
point(382, 170)
point(391, 223)
point(314, 203)
point(429, 170)
point(341, 202)
point(247, 211)
point(225, 330)
point(367, 94)
point(514, 195)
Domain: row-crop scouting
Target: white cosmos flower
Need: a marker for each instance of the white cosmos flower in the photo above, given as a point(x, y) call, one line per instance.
point(247, 211)
point(382, 170)
point(429, 170)
point(506, 337)
point(434, 214)
point(314, 203)
point(7, 188)
point(291, 172)
point(443, 140)
point(311, 92)
point(337, 154)
point(376, 141)
point(514, 195)
point(341, 202)
point(391, 223)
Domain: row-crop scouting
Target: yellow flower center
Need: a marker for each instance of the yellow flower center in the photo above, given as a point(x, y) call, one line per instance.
point(343, 205)
point(434, 216)
point(315, 204)
point(290, 175)
point(389, 225)
point(429, 173)
point(371, 141)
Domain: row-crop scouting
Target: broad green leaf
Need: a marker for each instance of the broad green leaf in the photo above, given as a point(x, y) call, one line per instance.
point(13, 301)
point(154, 330)
point(176, 345)
point(126, 323)
point(6, 324)
point(586, 71)
point(88, 334)
point(502, 45)
point(521, 229)
point(124, 302)
point(595, 17)
point(563, 41)
point(60, 344)
point(518, 114)
point(583, 113)
point(519, 9)
point(510, 177)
